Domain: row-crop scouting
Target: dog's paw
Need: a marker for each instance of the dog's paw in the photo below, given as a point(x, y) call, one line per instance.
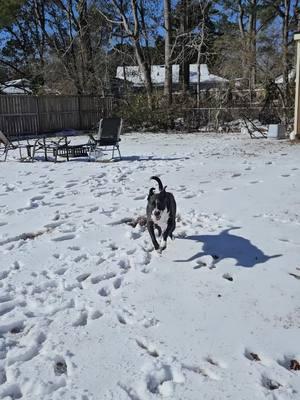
point(163, 244)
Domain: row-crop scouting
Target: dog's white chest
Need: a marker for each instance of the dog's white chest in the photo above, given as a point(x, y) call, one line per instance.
point(163, 221)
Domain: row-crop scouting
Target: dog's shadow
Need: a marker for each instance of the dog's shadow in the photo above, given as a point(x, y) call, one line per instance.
point(226, 245)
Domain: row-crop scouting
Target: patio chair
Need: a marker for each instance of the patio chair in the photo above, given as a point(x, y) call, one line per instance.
point(10, 145)
point(108, 136)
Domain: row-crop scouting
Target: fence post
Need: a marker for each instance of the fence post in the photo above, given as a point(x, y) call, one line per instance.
point(38, 115)
point(79, 112)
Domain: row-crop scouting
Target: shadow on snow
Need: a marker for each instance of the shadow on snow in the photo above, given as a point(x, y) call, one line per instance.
point(226, 245)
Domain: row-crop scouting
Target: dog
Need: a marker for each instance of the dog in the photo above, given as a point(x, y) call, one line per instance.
point(161, 215)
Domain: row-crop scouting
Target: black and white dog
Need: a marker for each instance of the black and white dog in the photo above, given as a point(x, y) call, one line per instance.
point(161, 214)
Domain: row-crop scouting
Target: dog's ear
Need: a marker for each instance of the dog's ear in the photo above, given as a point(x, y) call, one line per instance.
point(151, 193)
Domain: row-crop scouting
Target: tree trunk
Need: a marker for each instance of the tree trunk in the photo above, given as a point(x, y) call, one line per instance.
point(184, 70)
point(88, 70)
point(243, 38)
point(252, 45)
point(285, 65)
point(168, 66)
point(145, 70)
point(198, 76)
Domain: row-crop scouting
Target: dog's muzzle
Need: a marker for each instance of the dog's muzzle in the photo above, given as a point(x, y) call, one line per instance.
point(157, 214)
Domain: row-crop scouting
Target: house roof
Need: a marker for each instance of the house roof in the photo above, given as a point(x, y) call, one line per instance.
point(291, 77)
point(134, 75)
point(17, 86)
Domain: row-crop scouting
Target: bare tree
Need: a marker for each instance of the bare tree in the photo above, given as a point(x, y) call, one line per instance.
point(198, 41)
point(168, 65)
point(66, 26)
point(127, 15)
point(184, 73)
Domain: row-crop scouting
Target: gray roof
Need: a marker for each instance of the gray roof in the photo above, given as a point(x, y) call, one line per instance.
point(17, 86)
point(134, 75)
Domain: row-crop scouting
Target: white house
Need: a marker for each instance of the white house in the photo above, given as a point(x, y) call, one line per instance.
point(17, 86)
point(291, 77)
point(133, 75)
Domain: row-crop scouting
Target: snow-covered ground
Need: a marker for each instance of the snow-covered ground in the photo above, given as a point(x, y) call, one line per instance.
point(88, 311)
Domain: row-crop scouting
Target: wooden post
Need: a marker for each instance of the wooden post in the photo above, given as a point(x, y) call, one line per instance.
point(297, 91)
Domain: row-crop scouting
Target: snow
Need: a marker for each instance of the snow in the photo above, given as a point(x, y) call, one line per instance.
point(158, 74)
point(89, 311)
point(291, 77)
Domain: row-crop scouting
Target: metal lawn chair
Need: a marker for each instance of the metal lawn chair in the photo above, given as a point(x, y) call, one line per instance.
point(108, 136)
point(8, 145)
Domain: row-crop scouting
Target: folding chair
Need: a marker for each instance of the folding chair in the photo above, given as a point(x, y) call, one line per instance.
point(9, 145)
point(108, 136)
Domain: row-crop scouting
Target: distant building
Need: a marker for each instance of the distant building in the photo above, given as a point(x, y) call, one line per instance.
point(133, 75)
point(17, 86)
point(291, 77)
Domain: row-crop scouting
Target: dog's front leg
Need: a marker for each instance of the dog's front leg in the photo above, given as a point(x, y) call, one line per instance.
point(167, 232)
point(150, 226)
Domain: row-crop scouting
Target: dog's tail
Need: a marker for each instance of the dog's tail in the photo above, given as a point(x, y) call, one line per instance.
point(160, 185)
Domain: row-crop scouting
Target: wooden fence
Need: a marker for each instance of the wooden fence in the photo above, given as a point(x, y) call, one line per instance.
point(31, 115)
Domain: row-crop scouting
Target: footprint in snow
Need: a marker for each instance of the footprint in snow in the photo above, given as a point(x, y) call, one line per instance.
point(93, 209)
point(60, 271)
point(139, 197)
point(82, 277)
point(4, 274)
point(161, 379)
point(270, 383)
point(11, 391)
point(296, 276)
point(117, 283)
point(228, 277)
point(125, 317)
point(149, 347)
point(103, 277)
point(217, 363)
point(190, 196)
point(3, 377)
point(95, 314)
point(70, 185)
point(63, 238)
point(254, 182)
point(74, 248)
point(81, 319)
point(203, 371)
point(60, 366)
point(104, 291)
point(80, 258)
point(290, 362)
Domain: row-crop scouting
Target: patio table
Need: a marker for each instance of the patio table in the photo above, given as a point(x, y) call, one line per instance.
point(59, 143)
